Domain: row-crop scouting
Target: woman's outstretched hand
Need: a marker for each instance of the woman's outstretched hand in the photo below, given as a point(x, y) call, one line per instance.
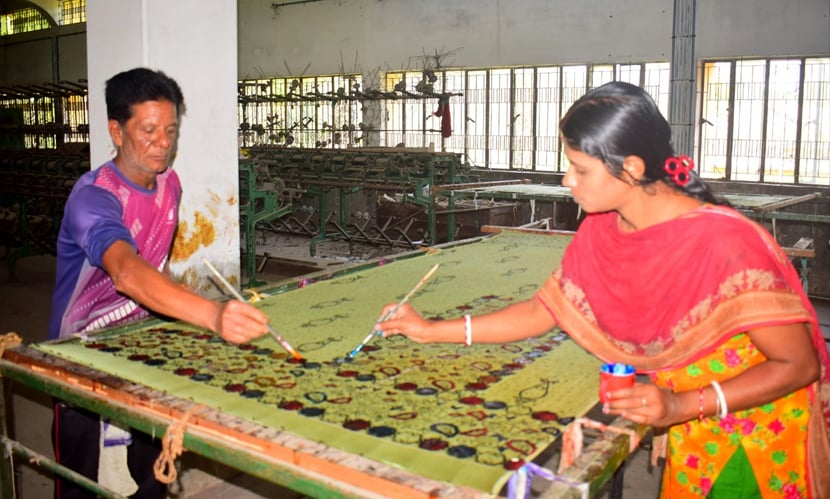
point(405, 321)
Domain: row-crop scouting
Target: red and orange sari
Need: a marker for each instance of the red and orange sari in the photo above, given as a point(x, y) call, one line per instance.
point(676, 300)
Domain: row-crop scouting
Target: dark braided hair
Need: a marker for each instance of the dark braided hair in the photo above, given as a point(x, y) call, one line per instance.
point(617, 120)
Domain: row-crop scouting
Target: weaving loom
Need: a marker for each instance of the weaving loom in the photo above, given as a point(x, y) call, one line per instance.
point(400, 420)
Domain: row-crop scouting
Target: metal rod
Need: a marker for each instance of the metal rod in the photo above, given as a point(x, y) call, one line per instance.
point(787, 202)
point(474, 185)
point(42, 461)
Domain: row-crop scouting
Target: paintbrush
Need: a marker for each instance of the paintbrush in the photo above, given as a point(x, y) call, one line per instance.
point(391, 312)
point(239, 297)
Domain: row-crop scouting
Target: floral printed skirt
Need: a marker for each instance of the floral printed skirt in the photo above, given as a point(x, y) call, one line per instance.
point(758, 452)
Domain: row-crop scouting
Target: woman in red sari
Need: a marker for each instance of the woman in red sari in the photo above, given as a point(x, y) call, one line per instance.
point(663, 276)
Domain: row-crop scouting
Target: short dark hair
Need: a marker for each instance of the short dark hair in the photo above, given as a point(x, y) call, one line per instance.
point(138, 85)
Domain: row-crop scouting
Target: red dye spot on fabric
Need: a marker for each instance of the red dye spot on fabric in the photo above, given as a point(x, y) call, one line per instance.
point(472, 400)
point(356, 424)
point(545, 416)
point(291, 405)
point(514, 464)
point(433, 444)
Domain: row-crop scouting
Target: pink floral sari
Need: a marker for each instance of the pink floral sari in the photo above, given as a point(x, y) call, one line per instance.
point(674, 301)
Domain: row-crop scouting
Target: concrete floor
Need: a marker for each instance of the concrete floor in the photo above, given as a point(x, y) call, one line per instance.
point(24, 306)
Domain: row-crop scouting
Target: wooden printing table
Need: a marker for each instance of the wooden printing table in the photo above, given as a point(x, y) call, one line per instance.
point(400, 420)
point(759, 206)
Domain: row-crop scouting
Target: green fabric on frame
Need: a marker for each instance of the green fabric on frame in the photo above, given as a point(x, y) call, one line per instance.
point(327, 319)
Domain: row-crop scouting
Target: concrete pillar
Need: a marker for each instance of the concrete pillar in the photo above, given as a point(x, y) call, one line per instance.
point(683, 70)
point(194, 42)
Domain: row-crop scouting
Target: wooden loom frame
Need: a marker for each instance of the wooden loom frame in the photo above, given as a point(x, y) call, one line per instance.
point(276, 456)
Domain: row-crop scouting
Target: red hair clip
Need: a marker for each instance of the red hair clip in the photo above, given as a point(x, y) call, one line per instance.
point(679, 169)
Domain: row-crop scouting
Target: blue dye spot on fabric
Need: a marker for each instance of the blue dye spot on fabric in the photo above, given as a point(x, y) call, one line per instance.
point(382, 431)
point(461, 451)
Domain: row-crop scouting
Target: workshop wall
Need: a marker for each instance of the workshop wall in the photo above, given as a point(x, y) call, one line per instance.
point(362, 35)
point(285, 37)
point(331, 36)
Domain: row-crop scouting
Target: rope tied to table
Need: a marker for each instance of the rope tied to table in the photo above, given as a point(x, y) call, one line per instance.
point(9, 340)
point(172, 446)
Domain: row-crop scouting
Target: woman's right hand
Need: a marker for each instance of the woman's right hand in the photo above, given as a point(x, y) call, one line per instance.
point(405, 321)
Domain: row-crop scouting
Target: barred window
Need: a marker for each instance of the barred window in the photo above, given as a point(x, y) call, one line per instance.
point(22, 21)
point(505, 118)
point(766, 120)
point(73, 12)
point(312, 111)
point(761, 120)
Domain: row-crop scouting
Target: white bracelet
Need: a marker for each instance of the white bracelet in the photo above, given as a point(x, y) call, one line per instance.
point(724, 410)
point(468, 330)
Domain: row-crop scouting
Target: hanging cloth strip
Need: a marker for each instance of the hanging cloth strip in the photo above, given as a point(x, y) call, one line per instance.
point(518, 487)
point(443, 112)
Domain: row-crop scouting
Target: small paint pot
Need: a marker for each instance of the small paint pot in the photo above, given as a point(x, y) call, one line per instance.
point(614, 376)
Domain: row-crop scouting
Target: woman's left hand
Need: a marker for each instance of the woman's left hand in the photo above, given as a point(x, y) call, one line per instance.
point(643, 403)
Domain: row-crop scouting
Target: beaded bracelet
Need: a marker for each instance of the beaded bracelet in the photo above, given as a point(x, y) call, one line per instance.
point(468, 330)
point(700, 403)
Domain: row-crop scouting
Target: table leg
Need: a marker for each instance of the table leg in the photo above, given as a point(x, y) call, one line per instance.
point(7, 471)
point(804, 273)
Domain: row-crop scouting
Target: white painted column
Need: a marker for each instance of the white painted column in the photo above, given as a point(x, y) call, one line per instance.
point(195, 43)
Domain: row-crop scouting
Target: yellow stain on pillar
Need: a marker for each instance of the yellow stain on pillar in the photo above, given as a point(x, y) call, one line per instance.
point(189, 241)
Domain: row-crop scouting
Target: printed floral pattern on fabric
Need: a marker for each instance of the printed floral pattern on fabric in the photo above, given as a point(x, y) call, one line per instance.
point(397, 392)
point(462, 415)
point(772, 435)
